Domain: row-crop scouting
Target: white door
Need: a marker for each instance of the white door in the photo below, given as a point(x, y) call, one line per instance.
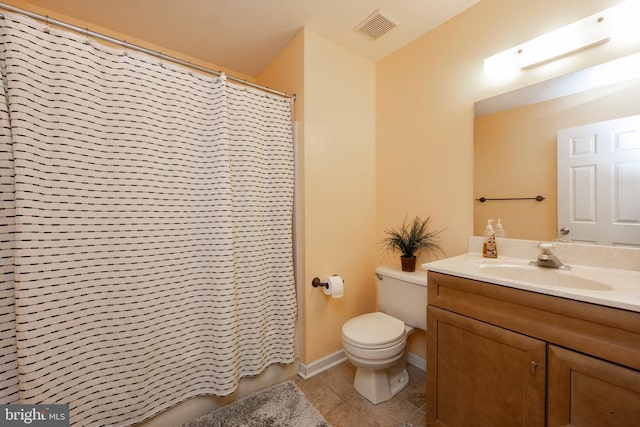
point(599, 182)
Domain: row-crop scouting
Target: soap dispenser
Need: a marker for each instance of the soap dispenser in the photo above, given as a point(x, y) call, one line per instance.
point(489, 247)
point(500, 231)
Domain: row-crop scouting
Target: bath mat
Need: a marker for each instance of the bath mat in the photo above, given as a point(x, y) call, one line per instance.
point(281, 405)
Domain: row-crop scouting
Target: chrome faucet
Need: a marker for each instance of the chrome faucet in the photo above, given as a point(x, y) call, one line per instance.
point(548, 259)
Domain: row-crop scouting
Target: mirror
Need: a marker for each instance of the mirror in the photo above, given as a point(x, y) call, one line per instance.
point(515, 135)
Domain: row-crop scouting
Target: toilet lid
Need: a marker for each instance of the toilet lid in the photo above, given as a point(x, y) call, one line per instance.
point(373, 329)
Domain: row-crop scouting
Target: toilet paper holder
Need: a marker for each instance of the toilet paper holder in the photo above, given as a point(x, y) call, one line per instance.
point(316, 282)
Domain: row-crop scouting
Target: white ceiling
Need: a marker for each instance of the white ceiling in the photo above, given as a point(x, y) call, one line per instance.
point(245, 35)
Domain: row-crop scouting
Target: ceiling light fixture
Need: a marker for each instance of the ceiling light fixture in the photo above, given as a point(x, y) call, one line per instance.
point(583, 34)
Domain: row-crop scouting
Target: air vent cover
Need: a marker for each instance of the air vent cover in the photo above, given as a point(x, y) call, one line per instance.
point(376, 25)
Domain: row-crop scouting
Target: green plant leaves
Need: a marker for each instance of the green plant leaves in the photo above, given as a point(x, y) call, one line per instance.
point(413, 237)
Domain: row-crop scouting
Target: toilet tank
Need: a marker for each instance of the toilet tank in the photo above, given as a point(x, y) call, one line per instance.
point(403, 295)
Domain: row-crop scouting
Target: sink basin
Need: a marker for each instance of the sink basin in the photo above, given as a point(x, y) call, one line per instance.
point(543, 276)
point(606, 276)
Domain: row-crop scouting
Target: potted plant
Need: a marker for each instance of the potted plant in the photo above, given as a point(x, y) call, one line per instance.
point(411, 238)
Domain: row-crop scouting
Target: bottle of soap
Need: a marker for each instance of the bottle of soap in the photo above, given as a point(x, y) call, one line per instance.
point(500, 232)
point(489, 247)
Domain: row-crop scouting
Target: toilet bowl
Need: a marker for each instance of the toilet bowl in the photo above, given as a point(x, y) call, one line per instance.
point(373, 343)
point(376, 343)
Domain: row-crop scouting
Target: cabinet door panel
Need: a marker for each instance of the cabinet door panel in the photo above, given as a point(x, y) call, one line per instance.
point(589, 392)
point(482, 375)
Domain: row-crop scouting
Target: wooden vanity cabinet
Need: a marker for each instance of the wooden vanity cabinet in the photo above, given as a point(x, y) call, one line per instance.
point(588, 392)
point(486, 375)
point(499, 356)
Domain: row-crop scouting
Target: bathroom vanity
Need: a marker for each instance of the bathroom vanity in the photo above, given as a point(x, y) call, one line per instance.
point(506, 349)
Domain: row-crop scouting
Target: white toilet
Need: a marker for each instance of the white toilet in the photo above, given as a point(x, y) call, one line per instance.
point(375, 343)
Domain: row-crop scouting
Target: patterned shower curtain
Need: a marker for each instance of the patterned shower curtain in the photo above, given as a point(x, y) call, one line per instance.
point(146, 229)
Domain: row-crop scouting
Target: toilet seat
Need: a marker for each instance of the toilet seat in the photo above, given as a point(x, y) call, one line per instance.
point(374, 331)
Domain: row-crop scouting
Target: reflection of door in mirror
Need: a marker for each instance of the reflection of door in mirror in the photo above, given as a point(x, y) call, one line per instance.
point(599, 182)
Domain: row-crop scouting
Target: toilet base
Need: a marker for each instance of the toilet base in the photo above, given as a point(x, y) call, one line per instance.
point(379, 385)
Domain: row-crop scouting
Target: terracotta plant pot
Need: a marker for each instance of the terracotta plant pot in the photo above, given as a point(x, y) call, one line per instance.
point(408, 263)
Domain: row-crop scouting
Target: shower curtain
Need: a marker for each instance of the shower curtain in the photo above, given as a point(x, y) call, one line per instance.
point(146, 233)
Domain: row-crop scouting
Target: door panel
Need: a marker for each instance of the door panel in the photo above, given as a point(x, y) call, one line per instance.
point(482, 375)
point(599, 182)
point(589, 392)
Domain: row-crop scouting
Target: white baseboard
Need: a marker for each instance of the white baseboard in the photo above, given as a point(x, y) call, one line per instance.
point(417, 361)
point(327, 362)
point(321, 365)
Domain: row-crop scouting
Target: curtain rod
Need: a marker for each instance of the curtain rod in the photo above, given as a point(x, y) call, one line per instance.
point(125, 44)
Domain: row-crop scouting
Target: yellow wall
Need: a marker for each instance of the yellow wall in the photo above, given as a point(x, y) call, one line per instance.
point(336, 147)
point(516, 156)
point(339, 189)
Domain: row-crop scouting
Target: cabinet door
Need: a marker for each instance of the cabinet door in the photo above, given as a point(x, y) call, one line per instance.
point(482, 375)
point(588, 392)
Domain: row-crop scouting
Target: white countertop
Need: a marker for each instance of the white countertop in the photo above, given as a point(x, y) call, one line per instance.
point(620, 286)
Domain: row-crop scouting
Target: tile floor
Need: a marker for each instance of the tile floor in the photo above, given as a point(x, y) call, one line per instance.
point(332, 393)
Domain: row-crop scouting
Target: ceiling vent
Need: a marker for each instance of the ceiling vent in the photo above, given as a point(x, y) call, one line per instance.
point(376, 25)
